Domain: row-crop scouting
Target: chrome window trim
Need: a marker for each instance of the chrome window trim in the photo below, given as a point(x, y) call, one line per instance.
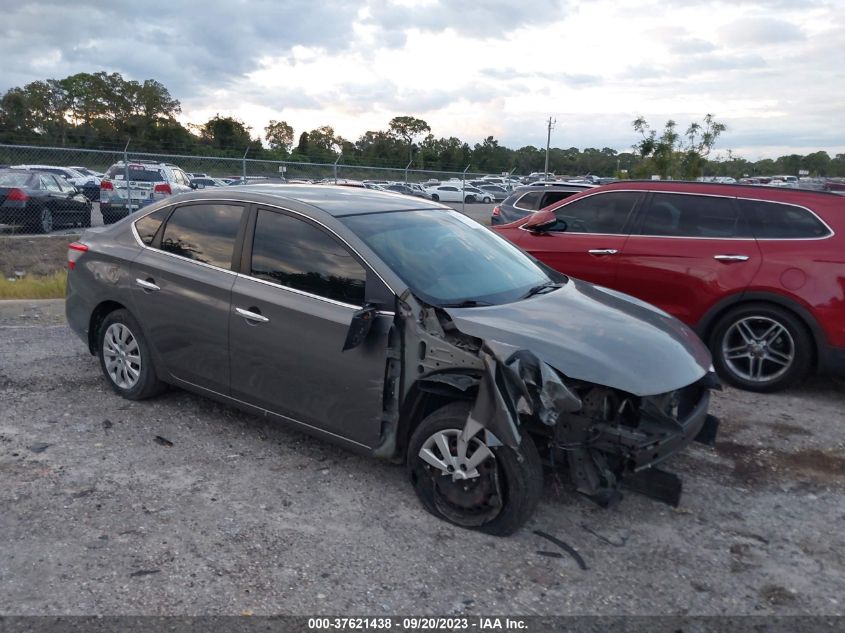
point(310, 295)
point(258, 204)
point(709, 195)
point(518, 200)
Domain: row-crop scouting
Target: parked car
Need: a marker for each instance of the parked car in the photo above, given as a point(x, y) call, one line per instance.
point(200, 182)
point(87, 184)
point(412, 334)
point(456, 191)
point(85, 171)
point(497, 192)
point(757, 272)
point(399, 188)
point(418, 190)
point(148, 181)
point(529, 199)
point(41, 201)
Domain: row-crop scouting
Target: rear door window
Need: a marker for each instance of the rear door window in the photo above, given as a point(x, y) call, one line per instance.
point(204, 233)
point(773, 220)
point(603, 213)
point(681, 215)
point(294, 253)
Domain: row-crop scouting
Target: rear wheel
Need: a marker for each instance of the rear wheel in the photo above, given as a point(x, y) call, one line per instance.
point(125, 357)
point(761, 347)
point(472, 485)
point(469, 199)
point(43, 221)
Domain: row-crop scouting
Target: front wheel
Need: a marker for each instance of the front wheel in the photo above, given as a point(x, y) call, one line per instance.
point(472, 485)
point(125, 357)
point(761, 347)
point(487, 200)
point(435, 197)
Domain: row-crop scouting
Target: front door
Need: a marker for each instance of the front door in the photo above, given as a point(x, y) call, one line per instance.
point(589, 235)
point(290, 314)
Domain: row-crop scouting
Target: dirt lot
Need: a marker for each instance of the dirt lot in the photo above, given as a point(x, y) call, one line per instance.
point(182, 506)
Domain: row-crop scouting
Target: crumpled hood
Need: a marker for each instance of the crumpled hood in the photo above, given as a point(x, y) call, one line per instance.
point(597, 335)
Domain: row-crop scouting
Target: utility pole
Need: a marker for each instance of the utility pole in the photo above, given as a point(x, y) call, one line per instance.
point(551, 124)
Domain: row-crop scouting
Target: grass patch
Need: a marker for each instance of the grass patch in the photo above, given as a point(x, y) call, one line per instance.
point(35, 286)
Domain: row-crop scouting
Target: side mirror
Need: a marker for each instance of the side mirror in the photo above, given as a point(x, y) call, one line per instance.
point(543, 227)
point(194, 185)
point(360, 326)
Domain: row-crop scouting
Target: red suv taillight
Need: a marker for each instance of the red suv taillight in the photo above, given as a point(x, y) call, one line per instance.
point(74, 252)
point(106, 184)
point(165, 189)
point(17, 195)
point(496, 211)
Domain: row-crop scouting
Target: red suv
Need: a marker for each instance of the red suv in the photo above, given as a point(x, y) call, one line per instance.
point(759, 273)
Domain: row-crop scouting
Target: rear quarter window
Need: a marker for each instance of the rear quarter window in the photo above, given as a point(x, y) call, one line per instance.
point(774, 220)
point(147, 227)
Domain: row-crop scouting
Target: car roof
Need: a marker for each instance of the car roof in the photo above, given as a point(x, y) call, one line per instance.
point(717, 188)
point(337, 201)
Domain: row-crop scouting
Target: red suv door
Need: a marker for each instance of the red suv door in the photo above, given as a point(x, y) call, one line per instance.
point(686, 252)
point(589, 234)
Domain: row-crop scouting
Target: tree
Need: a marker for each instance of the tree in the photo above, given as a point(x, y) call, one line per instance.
point(226, 133)
point(408, 128)
point(279, 135)
point(673, 155)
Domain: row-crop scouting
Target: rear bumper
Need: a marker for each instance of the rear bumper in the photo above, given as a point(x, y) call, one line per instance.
point(16, 213)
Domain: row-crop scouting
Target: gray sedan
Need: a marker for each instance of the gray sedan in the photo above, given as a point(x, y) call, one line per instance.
point(398, 328)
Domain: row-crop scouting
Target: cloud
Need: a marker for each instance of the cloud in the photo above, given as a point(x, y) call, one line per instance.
point(759, 31)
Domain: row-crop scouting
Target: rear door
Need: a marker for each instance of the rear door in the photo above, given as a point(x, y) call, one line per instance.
point(590, 234)
point(688, 252)
point(291, 309)
point(182, 289)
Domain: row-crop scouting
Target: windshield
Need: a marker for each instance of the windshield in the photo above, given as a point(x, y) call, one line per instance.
point(448, 259)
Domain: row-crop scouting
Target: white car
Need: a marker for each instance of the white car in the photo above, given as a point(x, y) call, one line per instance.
point(456, 191)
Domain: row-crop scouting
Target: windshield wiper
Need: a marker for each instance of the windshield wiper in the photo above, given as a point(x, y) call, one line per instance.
point(468, 303)
point(542, 288)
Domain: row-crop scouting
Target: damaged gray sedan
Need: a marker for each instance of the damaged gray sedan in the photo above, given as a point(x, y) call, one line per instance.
point(398, 328)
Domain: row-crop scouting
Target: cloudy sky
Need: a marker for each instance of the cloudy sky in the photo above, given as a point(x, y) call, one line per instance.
point(772, 70)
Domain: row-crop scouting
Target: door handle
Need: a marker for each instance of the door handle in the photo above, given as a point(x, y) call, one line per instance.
point(731, 258)
point(147, 285)
point(251, 316)
point(603, 251)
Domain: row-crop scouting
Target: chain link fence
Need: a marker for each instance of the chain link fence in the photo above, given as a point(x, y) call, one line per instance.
point(37, 183)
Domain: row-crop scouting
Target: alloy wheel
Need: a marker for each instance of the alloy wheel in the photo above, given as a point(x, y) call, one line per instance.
point(758, 349)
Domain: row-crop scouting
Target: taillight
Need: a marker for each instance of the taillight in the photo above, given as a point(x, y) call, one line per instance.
point(17, 195)
point(74, 252)
point(106, 184)
point(496, 211)
point(165, 189)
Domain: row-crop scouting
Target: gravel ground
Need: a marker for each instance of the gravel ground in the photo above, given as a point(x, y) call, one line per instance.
point(182, 506)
